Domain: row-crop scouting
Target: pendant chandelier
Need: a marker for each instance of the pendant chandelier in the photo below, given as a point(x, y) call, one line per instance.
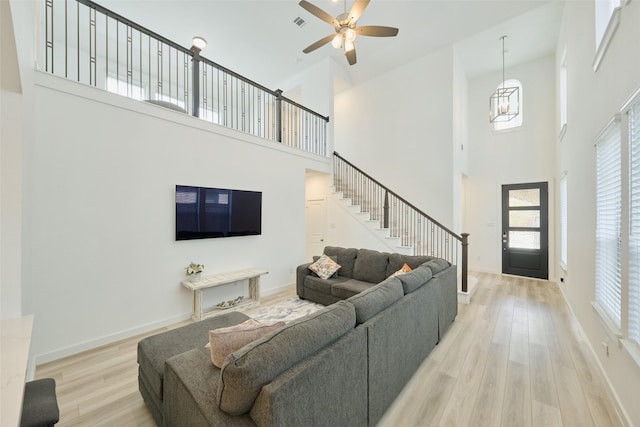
point(504, 103)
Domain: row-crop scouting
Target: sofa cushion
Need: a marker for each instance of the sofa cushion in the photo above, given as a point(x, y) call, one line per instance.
point(247, 370)
point(346, 259)
point(223, 341)
point(416, 278)
point(371, 266)
point(436, 265)
point(375, 299)
point(322, 285)
point(349, 288)
point(324, 267)
point(154, 351)
point(396, 261)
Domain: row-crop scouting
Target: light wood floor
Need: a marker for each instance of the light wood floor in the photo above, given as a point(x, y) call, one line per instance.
point(513, 357)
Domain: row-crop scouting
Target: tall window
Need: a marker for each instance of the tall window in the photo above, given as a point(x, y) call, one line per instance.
point(563, 221)
point(634, 222)
point(517, 120)
point(608, 223)
point(563, 93)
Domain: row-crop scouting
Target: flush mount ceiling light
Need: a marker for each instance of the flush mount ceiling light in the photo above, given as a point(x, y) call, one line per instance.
point(504, 103)
point(346, 29)
point(198, 43)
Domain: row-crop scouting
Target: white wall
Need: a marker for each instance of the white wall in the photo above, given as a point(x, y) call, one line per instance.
point(10, 171)
point(344, 230)
point(522, 155)
point(100, 256)
point(593, 99)
point(459, 142)
point(398, 127)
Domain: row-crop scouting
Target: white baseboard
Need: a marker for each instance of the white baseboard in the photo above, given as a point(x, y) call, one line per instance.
point(609, 387)
point(118, 336)
point(107, 339)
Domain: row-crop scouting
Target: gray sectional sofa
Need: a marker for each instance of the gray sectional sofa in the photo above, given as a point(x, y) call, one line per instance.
point(373, 341)
point(363, 268)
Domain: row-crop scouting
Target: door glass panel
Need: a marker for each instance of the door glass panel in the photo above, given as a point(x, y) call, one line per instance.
point(525, 197)
point(528, 218)
point(524, 239)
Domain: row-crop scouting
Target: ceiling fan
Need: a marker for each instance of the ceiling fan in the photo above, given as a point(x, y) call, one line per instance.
point(346, 28)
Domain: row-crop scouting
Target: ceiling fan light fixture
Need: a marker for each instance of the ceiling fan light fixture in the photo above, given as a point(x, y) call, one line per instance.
point(350, 35)
point(345, 25)
point(337, 41)
point(348, 46)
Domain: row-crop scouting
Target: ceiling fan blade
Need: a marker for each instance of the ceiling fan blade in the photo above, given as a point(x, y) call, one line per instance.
point(376, 31)
point(356, 10)
point(316, 11)
point(351, 56)
point(319, 43)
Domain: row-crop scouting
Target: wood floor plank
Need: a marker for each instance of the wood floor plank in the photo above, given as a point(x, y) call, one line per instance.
point(460, 405)
point(573, 405)
point(513, 357)
point(487, 411)
point(543, 415)
point(543, 385)
point(516, 407)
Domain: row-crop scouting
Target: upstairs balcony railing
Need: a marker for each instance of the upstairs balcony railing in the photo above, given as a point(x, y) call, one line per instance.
point(416, 229)
point(90, 44)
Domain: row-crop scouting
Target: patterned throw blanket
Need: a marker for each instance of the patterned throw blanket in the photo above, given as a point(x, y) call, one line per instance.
point(286, 311)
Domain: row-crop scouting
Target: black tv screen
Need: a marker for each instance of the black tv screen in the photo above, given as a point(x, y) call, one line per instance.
point(203, 213)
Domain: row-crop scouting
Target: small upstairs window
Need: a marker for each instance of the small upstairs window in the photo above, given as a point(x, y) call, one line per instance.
point(563, 95)
point(517, 120)
point(607, 19)
point(604, 11)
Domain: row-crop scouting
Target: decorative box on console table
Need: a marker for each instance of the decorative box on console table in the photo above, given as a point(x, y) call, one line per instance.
point(200, 312)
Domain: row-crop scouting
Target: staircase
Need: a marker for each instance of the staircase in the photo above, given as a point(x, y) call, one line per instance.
point(394, 243)
point(402, 227)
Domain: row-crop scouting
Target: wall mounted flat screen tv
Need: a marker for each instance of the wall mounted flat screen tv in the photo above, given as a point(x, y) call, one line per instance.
point(203, 213)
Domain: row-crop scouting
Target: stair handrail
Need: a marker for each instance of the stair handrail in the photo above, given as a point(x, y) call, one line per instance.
point(458, 237)
point(463, 238)
point(294, 114)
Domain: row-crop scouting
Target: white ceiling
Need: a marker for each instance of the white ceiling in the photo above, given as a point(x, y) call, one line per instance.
point(259, 39)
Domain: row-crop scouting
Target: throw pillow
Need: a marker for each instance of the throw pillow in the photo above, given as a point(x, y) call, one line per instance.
point(324, 267)
point(223, 341)
point(405, 269)
point(334, 258)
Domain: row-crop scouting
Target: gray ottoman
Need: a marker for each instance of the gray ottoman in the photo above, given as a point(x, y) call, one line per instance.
point(155, 350)
point(40, 406)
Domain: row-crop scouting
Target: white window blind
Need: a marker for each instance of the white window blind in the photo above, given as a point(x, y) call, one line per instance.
point(608, 223)
point(634, 219)
point(563, 221)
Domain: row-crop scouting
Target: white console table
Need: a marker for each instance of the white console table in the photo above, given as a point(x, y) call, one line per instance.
point(205, 282)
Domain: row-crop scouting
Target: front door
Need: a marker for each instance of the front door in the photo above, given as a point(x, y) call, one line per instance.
point(525, 230)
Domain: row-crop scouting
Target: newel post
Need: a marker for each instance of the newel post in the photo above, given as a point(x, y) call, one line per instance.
point(465, 259)
point(279, 115)
point(385, 210)
point(195, 76)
